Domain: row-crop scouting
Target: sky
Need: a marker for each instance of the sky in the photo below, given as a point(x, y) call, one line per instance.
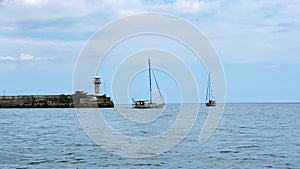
point(257, 41)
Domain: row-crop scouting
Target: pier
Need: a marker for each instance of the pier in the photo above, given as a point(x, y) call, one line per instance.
point(79, 99)
point(55, 101)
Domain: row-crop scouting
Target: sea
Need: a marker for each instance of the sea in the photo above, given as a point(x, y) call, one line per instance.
point(253, 135)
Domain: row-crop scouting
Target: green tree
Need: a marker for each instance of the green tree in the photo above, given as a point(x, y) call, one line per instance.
point(64, 98)
point(78, 95)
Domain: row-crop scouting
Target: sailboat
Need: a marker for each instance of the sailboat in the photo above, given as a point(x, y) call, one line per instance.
point(145, 104)
point(209, 95)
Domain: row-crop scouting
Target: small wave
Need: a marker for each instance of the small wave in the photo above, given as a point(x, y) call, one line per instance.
point(225, 151)
point(69, 153)
point(148, 164)
point(274, 155)
point(228, 151)
point(144, 132)
point(247, 146)
point(78, 160)
point(63, 161)
point(41, 161)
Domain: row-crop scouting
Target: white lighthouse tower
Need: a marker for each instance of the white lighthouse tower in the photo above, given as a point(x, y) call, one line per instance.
point(97, 83)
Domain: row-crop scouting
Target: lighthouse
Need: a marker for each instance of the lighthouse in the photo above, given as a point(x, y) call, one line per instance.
point(97, 83)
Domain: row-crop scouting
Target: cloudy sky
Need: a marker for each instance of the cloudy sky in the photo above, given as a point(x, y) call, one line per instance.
point(257, 41)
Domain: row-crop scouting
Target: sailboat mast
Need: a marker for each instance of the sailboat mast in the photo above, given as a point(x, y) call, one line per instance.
point(209, 90)
point(150, 80)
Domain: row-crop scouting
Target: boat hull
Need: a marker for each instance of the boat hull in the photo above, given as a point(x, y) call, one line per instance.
point(148, 106)
point(211, 103)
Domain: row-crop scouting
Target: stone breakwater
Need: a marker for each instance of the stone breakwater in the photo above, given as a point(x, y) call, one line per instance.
point(55, 101)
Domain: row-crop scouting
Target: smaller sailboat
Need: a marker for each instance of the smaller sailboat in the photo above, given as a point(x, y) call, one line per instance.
point(145, 104)
point(209, 94)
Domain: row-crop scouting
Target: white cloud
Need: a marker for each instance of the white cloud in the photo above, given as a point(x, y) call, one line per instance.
point(26, 57)
point(41, 42)
point(237, 28)
point(6, 58)
point(185, 6)
point(33, 2)
point(46, 50)
point(22, 57)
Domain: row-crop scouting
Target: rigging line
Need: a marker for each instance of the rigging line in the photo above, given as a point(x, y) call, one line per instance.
point(158, 87)
point(210, 86)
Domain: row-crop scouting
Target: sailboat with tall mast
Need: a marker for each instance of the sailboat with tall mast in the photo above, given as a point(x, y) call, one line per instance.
point(145, 104)
point(209, 94)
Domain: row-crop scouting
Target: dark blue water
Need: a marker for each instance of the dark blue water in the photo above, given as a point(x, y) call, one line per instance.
point(248, 136)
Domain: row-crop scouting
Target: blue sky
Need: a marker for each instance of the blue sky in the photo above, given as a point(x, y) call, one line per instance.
point(257, 42)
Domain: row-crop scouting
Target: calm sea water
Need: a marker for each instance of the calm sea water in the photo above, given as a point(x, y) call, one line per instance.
point(248, 136)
